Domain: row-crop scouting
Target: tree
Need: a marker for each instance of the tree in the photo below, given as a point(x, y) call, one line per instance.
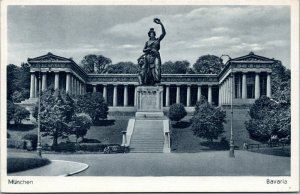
point(177, 112)
point(95, 63)
point(281, 83)
point(20, 113)
point(93, 104)
point(81, 124)
point(18, 82)
point(268, 118)
point(10, 111)
point(11, 80)
point(207, 121)
point(177, 67)
point(123, 68)
point(57, 110)
point(208, 64)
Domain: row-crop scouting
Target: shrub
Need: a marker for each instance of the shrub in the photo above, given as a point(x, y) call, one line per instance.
point(19, 144)
point(92, 147)
point(80, 125)
point(93, 104)
point(177, 112)
point(268, 118)
point(64, 147)
point(8, 135)
point(20, 164)
point(33, 138)
point(208, 121)
point(20, 113)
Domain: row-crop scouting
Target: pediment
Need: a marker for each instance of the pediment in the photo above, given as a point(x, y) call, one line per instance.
point(251, 57)
point(49, 57)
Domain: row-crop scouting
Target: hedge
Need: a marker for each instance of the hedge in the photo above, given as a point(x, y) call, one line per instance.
point(20, 164)
point(33, 138)
point(19, 144)
point(92, 147)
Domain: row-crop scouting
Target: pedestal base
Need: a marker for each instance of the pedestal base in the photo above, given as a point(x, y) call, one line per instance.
point(149, 115)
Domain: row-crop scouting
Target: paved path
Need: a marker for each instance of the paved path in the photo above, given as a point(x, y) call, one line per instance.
point(215, 163)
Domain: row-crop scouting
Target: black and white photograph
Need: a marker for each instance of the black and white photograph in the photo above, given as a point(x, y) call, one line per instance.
point(174, 96)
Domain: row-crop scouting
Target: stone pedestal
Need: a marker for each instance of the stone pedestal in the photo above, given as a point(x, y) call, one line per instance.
point(149, 102)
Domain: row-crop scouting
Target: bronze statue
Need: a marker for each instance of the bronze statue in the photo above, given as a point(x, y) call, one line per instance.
point(150, 61)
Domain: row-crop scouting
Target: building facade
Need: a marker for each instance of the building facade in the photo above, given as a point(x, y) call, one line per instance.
point(246, 78)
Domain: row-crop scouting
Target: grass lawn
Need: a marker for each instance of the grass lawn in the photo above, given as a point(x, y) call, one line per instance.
point(183, 139)
point(276, 151)
point(107, 132)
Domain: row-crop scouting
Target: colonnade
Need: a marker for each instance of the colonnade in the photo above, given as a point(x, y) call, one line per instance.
point(229, 83)
point(167, 94)
point(73, 85)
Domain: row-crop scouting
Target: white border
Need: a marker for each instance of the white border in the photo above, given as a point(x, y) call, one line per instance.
point(158, 184)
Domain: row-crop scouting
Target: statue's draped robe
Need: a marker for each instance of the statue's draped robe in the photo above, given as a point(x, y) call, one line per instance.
point(150, 63)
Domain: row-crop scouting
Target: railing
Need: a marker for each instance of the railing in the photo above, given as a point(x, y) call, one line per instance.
point(260, 146)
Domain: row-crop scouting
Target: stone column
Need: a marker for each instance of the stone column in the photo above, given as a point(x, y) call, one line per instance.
point(269, 93)
point(135, 96)
point(36, 86)
point(233, 85)
point(188, 96)
point(32, 85)
point(244, 86)
point(219, 99)
point(68, 83)
point(105, 92)
point(77, 87)
point(71, 84)
point(257, 86)
point(209, 95)
point(222, 93)
point(167, 96)
point(56, 81)
point(199, 93)
point(81, 88)
point(226, 91)
point(126, 95)
point(115, 99)
point(44, 81)
point(178, 95)
point(94, 88)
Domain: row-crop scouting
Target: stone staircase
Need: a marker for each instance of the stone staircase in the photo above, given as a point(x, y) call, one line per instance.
point(147, 137)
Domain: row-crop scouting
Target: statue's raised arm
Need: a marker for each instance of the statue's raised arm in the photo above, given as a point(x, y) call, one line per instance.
point(156, 20)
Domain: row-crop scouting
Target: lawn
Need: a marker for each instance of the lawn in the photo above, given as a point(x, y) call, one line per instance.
point(107, 132)
point(184, 141)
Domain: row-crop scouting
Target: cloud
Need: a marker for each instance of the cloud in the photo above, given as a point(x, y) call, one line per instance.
point(233, 30)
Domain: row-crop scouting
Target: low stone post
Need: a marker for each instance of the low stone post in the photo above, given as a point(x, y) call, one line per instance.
point(124, 141)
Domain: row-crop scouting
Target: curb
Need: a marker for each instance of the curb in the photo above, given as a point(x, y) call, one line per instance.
point(86, 166)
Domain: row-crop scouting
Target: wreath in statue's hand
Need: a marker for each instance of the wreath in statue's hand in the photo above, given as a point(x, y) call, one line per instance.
point(156, 20)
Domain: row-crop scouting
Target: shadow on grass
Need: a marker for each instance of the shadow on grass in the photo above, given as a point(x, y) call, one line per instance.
point(215, 145)
point(104, 123)
point(181, 124)
point(86, 140)
point(21, 127)
point(278, 151)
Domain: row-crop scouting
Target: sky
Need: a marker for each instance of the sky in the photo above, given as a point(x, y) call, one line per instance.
point(120, 32)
